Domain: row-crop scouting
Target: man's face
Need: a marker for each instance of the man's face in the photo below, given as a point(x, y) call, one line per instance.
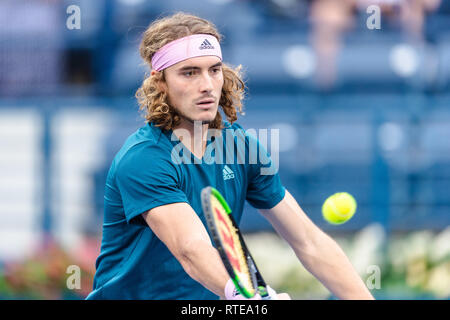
point(194, 87)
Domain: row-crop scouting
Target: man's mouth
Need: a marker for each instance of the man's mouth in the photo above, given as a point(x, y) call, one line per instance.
point(206, 103)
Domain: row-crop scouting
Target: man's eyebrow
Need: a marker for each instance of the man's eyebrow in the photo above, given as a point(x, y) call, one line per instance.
point(198, 68)
point(218, 64)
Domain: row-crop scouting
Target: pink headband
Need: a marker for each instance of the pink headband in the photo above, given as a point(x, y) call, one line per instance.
point(196, 45)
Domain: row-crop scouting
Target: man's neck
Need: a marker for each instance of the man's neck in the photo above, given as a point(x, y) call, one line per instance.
point(193, 135)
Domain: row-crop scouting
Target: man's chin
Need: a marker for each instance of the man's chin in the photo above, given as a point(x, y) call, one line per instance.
point(204, 116)
point(202, 120)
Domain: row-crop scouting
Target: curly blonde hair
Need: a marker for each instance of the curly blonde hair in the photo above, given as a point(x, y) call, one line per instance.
point(153, 101)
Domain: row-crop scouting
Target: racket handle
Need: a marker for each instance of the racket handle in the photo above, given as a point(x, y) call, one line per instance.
point(269, 293)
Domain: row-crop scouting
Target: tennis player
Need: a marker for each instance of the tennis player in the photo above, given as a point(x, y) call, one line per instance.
point(154, 243)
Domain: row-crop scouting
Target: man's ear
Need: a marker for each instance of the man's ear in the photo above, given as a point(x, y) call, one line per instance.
point(162, 86)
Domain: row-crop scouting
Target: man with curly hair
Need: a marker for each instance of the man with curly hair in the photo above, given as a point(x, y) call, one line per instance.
point(154, 242)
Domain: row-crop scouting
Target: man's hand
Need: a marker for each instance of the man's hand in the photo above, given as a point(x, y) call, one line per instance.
point(231, 293)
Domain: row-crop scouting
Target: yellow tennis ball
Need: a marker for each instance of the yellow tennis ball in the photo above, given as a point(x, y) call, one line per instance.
point(339, 208)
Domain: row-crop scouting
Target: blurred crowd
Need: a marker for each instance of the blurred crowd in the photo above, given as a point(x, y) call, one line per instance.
point(40, 55)
point(331, 19)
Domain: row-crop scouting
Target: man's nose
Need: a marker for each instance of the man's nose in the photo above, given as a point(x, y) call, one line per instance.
point(206, 83)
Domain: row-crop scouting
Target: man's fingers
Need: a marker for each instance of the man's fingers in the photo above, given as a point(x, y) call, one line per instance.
point(283, 296)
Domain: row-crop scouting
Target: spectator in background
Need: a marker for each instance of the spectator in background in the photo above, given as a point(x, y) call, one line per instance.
point(413, 16)
point(410, 14)
point(329, 19)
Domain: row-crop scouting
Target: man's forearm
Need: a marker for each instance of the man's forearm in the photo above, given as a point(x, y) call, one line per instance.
point(329, 264)
point(202, 262)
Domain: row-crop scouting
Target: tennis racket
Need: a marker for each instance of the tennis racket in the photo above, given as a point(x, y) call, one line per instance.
point(231, 246)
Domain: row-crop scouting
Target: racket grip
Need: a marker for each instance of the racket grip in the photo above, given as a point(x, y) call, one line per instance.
point(271, 294)
point(231, 292)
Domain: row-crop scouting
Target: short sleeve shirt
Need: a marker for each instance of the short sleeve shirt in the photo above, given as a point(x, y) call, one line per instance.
point(153, 168)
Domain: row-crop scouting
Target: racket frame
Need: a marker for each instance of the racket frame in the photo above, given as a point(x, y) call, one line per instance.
point(257, 280)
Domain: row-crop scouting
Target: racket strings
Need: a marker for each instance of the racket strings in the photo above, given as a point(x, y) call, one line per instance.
point(230, 238)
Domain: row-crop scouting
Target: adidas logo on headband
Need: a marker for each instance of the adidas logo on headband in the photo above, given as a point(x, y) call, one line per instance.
point(206, 45)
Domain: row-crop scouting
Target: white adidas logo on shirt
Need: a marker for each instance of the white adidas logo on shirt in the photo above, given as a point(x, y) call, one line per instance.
point(227, 173)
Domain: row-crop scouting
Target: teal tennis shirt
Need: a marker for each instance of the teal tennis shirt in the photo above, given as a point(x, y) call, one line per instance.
point(153, 169)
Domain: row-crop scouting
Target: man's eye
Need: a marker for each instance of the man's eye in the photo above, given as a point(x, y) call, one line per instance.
point(188, 73)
